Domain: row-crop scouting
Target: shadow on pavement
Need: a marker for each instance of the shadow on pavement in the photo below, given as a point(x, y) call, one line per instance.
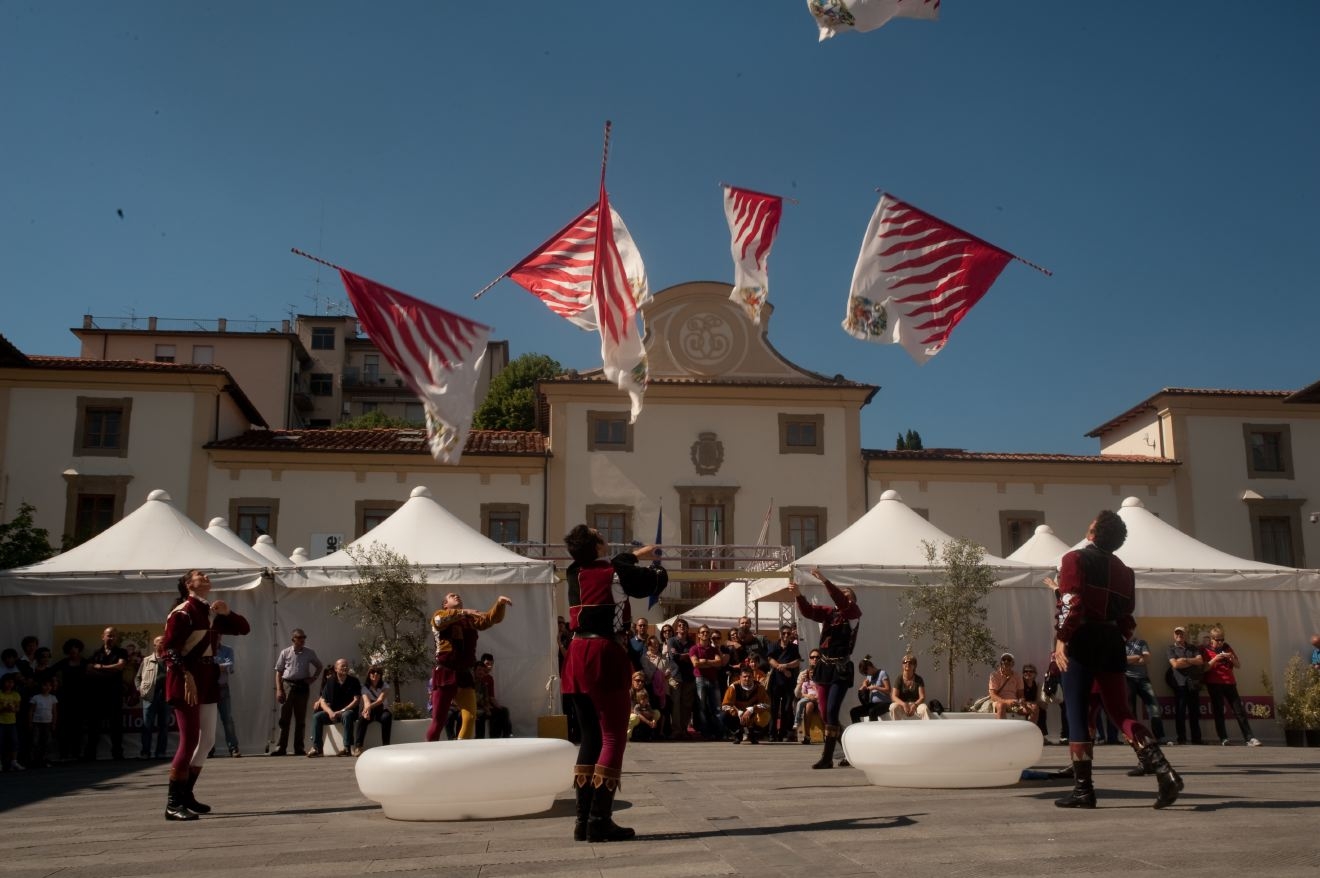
point(818, 826)
point(71, 778)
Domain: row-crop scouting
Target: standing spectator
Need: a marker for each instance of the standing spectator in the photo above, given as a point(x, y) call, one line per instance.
point(662, 676)
point(9, 704)
point(909, 693)
point(834, 672)
point(27, 687)
point(105, 677)
point(296, 669)
point(755, 648)
point(637, 641)
point(224, 660)
point(375, 707)
point(1221, 684)
point(492, 717)
point(1139, 686)
point(805, 702)
point(874, 692)
point(43, 717)
point(783, 659)
point(732, 653)
point(746, 708)
point(707, 660)
point(1186, 665)
point(150, 682)
point(680, 651)
point(1315, 652)
point(339, 703)
point(71, 685)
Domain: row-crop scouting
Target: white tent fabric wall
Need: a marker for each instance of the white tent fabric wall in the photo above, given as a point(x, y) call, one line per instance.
point(724, 608)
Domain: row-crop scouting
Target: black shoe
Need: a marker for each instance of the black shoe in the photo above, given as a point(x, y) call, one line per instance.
point(1137, 772)
point(1079, 798)
point(826, 759)
point(280, 752)
point(601, 826)
point(175, 809)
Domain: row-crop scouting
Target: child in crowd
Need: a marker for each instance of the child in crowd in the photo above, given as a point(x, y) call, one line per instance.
point(9, 703)
point(645, 719)
point(43, 718)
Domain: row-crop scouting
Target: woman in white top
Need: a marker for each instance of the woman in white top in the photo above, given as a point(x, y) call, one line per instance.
point(375, 708)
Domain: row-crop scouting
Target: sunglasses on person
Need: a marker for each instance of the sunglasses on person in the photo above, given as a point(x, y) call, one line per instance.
point(814, 655)
point(909, 662)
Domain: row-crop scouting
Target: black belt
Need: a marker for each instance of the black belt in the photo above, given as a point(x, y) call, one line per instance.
point(306, 682)
point(586, 635)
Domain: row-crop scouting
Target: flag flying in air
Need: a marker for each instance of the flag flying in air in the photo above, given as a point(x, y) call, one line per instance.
point(836, 16)
point(763, 538)
point(916, 277)
point(437, 353)
point(559, 272)
point(614, 302)
point(753, 223)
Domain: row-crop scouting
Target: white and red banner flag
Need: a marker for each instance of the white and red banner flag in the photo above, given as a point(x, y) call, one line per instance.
point(916, 277)
point(836, 16)
point(753, 223)
point(559, 272)
point(437, 353)
point(614, 300)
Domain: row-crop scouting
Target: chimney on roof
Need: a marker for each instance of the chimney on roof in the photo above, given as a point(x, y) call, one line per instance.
point(284, 327)
point(87, 321)
point(222, 323)
point(151, 324)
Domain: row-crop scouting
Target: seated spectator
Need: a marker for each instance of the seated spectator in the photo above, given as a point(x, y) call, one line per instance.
point(644, 720)
point(339, 701)
point(874, 692)
point(375, 708)
point(1034, 696)
point(746, 708)
point(909, 693)
point(1005, 691)
point(491, 715)
point(805, 692)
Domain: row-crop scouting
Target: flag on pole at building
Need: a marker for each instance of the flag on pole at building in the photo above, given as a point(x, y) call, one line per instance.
point(764, 537)
point(655, 562)
point(559, 272)
point(836, 16)
point(437, 353)
point(614, 301)
point(753, 223)
point(916, 277)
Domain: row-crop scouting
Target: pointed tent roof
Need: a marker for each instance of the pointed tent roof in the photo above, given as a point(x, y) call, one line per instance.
point(146, 551)
point(1154, 544)
point(219, 528)
point(431, 536)
point(1044, 549)
point(266, 548)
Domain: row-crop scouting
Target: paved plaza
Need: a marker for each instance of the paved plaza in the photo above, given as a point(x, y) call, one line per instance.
point(701, 809)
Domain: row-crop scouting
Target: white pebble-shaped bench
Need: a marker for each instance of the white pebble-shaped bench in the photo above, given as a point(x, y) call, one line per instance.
point(478, 779)
point(978, 751)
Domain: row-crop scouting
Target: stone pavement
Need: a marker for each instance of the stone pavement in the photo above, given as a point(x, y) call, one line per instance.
point(701, 808)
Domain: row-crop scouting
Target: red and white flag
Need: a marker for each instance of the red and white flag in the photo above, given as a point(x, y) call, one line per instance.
point(559, 272)
point(614, 301)
point(836, 16)
point(753, 223)
point(916, 277)
point(437, 353)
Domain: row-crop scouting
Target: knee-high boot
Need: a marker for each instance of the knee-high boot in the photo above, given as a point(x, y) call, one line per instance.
point(1170, 783)
point(601, 825)
point(1083, 793)
point(176, 807)
point(826, 759)
point(584, 790)
point(191, 802)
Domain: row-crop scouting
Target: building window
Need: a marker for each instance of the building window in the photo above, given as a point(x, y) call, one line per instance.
point(801, 434)
point(369, 513)
point(609, 431)
point(101, 427)
point(250, 517)
point(413, 413)
point(1016, 526)
point(504, 522)
point(802, 527)
point(1276, 531)
point(1269, 451)
point(92, 504)
point(322, 384)
point(615, 523)
point(370, 368)
point(323, 338)
point(369, 407)
point(203, 354)
point(165, 353)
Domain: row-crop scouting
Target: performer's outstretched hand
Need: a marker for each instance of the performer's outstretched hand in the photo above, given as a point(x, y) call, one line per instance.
point(505, 601)
point(644, 551)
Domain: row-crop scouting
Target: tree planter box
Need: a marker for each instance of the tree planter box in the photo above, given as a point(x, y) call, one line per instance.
point(1312, 737)
point(1294, 737)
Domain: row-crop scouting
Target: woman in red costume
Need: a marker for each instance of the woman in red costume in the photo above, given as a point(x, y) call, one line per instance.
point(598, 672)
point(192, 685)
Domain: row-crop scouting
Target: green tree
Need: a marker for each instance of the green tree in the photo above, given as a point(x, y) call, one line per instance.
point(950, 611)
point(385, 604)
point(510, 403)
point(21, 543)
point(375, 420)
point(913, 442)
point(901, 444)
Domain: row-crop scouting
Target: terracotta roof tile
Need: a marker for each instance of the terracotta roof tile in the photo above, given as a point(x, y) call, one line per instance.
point(382, 440)
point(1148, 403)
point(82, 363)
point(596, 377)
point(958, 454)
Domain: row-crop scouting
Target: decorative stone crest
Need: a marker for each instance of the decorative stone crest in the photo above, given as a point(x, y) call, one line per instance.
point(707, 454)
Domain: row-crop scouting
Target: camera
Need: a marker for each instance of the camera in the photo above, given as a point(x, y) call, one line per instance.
point(1314, 517)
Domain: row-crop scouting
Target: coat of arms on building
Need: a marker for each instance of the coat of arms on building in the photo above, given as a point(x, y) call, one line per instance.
point(707, 454)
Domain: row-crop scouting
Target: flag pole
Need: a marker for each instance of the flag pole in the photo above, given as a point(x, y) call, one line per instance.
point(1029, 264)
point(724, 185)
point(317, 259)
point(519, 264)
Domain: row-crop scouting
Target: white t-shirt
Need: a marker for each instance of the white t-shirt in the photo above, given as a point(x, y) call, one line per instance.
point(43, 708)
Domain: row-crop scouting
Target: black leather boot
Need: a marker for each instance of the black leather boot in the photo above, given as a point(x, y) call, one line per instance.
point(585, 792)
point(175, 808)
point(191, 801)
point(1170, 783)
point(826, 759)
point(1083, 792)
point(601, 825)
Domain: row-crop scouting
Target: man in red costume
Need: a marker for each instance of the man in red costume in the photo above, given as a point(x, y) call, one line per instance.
point(452, 681)
point(597, 672)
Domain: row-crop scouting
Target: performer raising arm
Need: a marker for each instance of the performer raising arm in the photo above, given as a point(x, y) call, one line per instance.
point(834, 669)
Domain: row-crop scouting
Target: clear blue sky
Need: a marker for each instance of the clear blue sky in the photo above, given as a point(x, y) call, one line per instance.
point(1160, 158)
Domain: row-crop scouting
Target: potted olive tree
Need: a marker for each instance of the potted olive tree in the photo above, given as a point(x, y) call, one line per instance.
point(1292, 709)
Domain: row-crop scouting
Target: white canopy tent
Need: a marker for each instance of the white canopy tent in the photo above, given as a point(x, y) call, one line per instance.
point(724, 608)
point(1044, 549)
point(219, 528)
point(265, 547)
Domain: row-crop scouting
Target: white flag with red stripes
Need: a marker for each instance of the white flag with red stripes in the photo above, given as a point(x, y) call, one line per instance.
point(614, 301)
point(836, 16)
point(916, 277)
point(437, 353)
point(753, 223)
point(559, 272)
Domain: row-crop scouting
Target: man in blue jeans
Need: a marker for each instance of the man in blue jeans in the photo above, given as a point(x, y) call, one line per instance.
point(1140, 689)
point(706, 663)
point(338, 703)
